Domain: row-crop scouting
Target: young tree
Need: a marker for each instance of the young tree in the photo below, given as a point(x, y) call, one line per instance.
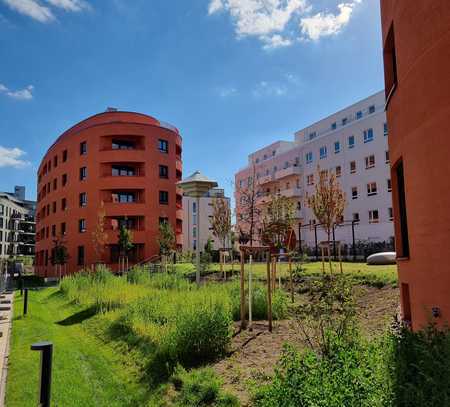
point(277, 221)
point(247, 210)
point(166, 241)
point(221, 223)
point(99, 235)
point(60, 254)
point(327, 203)
point(125, 241)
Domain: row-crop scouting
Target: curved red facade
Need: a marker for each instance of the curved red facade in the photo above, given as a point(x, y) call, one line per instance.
point(128, 163)
point(416, 40)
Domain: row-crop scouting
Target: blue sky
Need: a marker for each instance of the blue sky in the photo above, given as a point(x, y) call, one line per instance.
point(232, 75)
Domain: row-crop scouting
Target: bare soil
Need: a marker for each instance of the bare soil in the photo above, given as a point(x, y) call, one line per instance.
point(254, 354)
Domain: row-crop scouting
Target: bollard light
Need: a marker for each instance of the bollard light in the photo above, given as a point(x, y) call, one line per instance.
point(46, 349)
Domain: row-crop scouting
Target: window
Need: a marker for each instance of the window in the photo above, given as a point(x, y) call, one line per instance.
point(370, 161)
point(124, 197)
point(368, 135)
point(83, 199)
point(80, 256)
point(390, 64)
point(55, 161)
point(55, 184)
point(312, 135)
point(64, 156)
point(333, 126)
point(194, 232)
point(337, 147)
point(164, 171)
point(257, 161)
point(358, 115)
point(371, 109)
point(373, 216)
point(309, 157)
point(385, 129)
point(163, 219)
point(389, 185)
point(352, 167)
point(63, 204)
point(354, 192)
point(351, 141)
point(273, 153)
point(194, 206)
point(123, 171)
point(64, 180)
point(63, 228)
point(265, 157)
point(299, 205)
point(344, 121)
point(54, 207)
point(82, 225)
point(53, 230)
point(310, 179)
point(403, 236)
point(163, 197)
point(323, 152)
point(83, 148)
point(83, 173)
point(338, 171)
point(122, 145)
point(371, 188)
point(163, 146)
point(356, 217)
point(390, 214)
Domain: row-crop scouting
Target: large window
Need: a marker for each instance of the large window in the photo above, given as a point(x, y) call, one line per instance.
point(370, 161)
point(403, 236)
point(323, 152)
point(390, 64)
point(83, 199)
point(351, 141)
point(124, 197)
point(163, 197)
point(337, 147)
point(122, 145)
point(309, 157)
point(64, 156)
point(80, 256)
point(352, 167)
point(163, 171)
point(354, 192)
point(83, 173)
point(123, 171)
point(373, 216)
point(83, 148)
point(368, 135)
point(82, 225)
point(371, 188)
point(163, 146)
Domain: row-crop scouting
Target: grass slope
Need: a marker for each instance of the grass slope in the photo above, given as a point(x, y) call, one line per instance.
point(86, 372)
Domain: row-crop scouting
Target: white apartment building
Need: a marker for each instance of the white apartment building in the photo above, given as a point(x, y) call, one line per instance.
point(205, 212)
point(353, 144)
point(17, 224)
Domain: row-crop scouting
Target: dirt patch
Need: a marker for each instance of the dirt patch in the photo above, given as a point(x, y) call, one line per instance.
point(254, 355)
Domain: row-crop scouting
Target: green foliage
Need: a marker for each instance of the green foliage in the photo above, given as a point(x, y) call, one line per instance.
point(125, 240)
point(419, 364)
point(166, 239)
point(352, 376)
point(200, 387)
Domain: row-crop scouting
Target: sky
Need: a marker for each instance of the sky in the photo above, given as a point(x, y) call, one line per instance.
point(232, 75)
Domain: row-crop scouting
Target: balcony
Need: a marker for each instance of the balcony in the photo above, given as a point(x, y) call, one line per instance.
point(291, 192)
point(286, 172)
point(266, 179)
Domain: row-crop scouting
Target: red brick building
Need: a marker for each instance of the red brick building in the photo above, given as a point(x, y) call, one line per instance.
point(416, 42)
point(128, 163)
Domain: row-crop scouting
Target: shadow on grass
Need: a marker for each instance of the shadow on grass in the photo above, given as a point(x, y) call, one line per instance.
point(78, 317)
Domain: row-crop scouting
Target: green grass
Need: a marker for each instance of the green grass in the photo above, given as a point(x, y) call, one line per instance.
point(86, 371)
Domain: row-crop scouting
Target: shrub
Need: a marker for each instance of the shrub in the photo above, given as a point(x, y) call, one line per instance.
point(419, 364)
point(201, 388)
point(351, 377)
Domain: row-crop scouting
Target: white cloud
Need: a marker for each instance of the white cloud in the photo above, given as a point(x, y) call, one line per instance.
point(21, 94)
point(12, 157)
point(69, 5)
point(326, 24)
point(260, 18)
point(226, 92)
point(43, 13)
point(265, 88)
point(271, 21)
point(31, 8)
point(276, 41)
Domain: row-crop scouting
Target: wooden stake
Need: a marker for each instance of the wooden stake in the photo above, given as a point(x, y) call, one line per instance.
point(250, 318)
point(340, 257)
point(269, 293)
point(243, 321)
point(290, 276)
point(323, 260)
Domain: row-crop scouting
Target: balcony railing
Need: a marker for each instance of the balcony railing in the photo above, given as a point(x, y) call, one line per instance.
point(286, 172)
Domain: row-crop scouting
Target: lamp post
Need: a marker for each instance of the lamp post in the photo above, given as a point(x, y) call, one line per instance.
point(196, 186)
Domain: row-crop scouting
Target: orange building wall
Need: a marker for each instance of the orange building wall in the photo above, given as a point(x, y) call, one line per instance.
point(98, 131)
point(418, 115)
